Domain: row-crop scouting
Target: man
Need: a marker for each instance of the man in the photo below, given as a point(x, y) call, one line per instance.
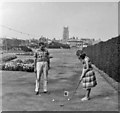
point(41, 67)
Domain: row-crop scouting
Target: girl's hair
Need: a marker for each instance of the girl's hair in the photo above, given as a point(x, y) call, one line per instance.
point(82, 56)
point(79, 52)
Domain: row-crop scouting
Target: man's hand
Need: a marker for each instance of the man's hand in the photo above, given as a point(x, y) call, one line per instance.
point(35, 70)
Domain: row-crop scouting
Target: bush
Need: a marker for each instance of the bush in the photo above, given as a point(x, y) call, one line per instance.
point(27, 53)
point(28, 61)
point(18, 61)
point(8, 58)
point(19, 65)
point(2, 66)
point(26, 49)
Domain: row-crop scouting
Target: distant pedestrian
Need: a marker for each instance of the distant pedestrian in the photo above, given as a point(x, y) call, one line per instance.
point(41, 67)
point(88, 76)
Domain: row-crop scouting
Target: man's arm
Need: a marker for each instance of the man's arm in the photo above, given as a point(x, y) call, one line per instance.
point(35, 62)
point(48, 54)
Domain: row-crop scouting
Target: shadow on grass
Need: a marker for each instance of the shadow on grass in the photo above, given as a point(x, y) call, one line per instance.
point(103, 95)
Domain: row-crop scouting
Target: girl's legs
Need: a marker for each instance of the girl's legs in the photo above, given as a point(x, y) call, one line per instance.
point(87, 95)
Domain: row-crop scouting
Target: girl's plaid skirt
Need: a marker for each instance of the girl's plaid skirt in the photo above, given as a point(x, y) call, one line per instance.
point(89, 80)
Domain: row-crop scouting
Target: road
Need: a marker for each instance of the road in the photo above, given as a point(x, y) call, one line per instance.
point(18, 88)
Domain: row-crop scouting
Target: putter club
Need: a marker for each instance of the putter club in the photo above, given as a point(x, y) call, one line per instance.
point(72, 95)
point(74, 91)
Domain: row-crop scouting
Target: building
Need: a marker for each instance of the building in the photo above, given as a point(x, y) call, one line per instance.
point(75, 42)
point(65, 34)
point(80, 43)
point(87, 41)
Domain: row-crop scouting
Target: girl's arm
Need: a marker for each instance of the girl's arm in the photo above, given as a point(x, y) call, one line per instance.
point(85, 68)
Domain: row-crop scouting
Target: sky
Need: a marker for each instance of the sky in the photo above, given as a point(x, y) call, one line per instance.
point(98, 20)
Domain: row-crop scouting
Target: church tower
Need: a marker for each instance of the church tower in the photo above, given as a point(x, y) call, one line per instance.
point(65, 34)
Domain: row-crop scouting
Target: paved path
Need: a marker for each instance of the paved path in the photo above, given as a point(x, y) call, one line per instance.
point(18, 88)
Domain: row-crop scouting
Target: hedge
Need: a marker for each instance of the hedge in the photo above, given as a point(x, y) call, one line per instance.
point(106, 56)
point(26, 53)
point(58, 45)
point(8, 58)
point(25, 48)
point(19, 65)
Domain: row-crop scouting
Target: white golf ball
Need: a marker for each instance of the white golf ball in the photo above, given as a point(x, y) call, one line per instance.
point(68, 99)
point(53, 100)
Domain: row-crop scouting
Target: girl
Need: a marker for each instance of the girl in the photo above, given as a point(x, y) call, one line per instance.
point(88, 76)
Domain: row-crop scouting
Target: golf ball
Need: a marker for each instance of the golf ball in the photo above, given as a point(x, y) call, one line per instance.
point(53, 100)
point(68, 99)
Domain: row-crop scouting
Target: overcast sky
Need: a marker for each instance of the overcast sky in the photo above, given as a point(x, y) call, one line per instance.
point(84, 19)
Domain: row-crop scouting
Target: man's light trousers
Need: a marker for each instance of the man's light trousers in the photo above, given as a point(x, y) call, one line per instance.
point(42, 68)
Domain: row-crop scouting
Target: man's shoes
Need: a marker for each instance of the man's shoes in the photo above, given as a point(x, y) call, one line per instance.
point(37, 92)
point(45, 92)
